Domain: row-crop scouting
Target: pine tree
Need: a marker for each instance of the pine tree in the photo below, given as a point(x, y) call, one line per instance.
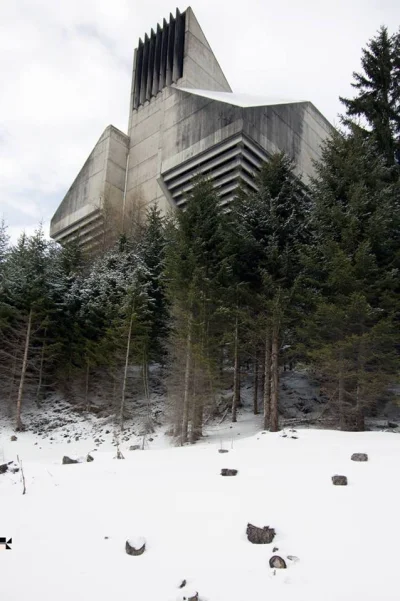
point(194, 259)
point(377, 103)
point(353, 261)
point(269, 228)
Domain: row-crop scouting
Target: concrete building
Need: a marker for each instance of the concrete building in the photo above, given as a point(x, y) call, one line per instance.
point(184, 119)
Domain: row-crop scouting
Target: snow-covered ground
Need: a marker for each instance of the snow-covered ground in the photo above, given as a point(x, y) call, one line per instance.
point(69, 529)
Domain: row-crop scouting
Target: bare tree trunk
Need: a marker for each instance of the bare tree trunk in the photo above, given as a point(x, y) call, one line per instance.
point(41, 369)
point(145, 372)
point(255, 392)
point(23, 371)
point(128, 347)
point(87, 384)
point(342, 419)
point(185, 417)
point(236, 375)
point(192, 436)
point(274, 418)
point(267, 379)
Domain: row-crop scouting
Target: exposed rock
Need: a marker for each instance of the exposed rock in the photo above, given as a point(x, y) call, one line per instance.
point(228, 472)
point(223, 451)
point(13, 438)
point(359, 457)
point(67, 460)
point(3, 468)
point(135, 546)
point(89, 458)
point(260, 536)
point(182, 584)
point(393, 425)
point(192, 596)
point(134, 447)
point(339, 480)
point(275, 549)
point(277, 562)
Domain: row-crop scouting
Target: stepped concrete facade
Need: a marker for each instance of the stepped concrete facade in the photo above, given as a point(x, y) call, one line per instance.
point(184, 120)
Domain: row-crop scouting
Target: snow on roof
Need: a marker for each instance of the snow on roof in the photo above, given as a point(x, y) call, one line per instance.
point(243, 100)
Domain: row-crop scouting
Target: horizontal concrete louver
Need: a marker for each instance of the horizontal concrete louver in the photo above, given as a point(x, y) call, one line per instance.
point(230, 165)
point(159, 59)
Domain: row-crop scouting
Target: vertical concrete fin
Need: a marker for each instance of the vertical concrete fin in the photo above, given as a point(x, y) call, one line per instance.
point(138, 74)
point(164, 46)
point(170, 49)
point(178, 46)
point(150, 71)
point(157, 61)
point(145, 67)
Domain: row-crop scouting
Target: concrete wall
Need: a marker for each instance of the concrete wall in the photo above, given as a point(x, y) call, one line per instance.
point(101, 177)
point(297, 129)
point(153, 130)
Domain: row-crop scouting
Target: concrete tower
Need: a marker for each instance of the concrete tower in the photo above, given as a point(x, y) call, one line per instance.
point(183, 120)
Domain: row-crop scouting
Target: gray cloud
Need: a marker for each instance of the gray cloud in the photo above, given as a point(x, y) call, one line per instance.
point(65, 69)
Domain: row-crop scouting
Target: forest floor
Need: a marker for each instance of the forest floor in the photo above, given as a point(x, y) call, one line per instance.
point(69, 530)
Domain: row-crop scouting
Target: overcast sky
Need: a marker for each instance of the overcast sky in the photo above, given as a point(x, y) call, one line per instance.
point(65, 69)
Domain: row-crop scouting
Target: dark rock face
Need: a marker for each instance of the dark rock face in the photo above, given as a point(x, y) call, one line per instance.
point(260, 536)
point(228, 472)
point(359, 457)
point(277, 563)
point(67, 460)
point(339, 480)
point(131, 550)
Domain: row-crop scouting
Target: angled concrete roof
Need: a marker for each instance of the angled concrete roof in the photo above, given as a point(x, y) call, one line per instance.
point(242, 100)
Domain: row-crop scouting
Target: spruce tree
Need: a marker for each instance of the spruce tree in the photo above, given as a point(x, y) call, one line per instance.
point(377, 103)
point(353, 261)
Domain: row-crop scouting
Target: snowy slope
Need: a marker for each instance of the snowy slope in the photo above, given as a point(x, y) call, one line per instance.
point(69, 530)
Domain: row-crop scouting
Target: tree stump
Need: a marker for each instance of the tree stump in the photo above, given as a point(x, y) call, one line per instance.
point(260, 536)
point(359, 457)
point(339, 480)
point(135, 546)
point(277, 563)
point(67, 460)
point(228, 472)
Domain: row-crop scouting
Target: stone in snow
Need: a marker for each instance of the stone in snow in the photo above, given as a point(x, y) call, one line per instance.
point(191, 596)
point(339, 480)
point(228, 472)
point(89, 458)
point(260, 536)
point(67, 460)
point(359, 457)
point(13, 438)
point(134, 447)
point(135, 545)
point(223, 451)
point(277, 562)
